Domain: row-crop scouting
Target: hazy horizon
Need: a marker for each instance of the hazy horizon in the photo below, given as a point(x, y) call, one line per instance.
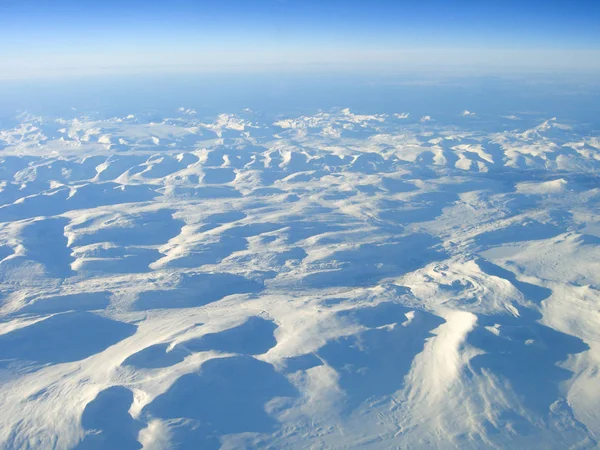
point(42, 39)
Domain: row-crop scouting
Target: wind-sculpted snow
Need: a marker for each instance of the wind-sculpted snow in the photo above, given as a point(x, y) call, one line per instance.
point(337, 280)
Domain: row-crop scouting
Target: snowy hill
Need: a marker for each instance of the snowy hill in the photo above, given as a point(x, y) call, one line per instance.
point(336, 280)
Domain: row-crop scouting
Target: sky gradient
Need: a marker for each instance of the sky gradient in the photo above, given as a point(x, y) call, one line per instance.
point(39, 38)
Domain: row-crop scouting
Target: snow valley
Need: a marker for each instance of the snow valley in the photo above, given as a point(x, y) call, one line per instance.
point(316, 281)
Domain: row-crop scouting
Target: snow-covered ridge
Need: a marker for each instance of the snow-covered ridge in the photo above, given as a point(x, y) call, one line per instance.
point(334, 280)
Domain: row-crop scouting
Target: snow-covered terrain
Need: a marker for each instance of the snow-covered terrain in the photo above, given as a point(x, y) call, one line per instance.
point(338, 280)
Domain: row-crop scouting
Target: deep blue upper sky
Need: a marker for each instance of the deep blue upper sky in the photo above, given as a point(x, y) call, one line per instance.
point(39, 35)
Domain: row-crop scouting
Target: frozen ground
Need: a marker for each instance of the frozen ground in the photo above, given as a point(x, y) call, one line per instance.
point(333, 280)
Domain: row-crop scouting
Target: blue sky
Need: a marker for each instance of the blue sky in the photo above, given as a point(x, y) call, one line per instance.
point(44, 37)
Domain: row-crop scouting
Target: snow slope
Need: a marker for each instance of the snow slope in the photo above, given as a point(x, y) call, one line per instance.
point(337, 280)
